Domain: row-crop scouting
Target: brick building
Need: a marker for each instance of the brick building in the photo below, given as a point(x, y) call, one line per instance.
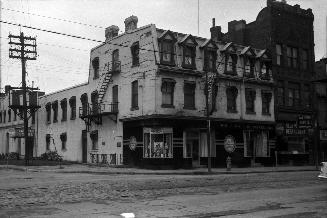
point(287, 32)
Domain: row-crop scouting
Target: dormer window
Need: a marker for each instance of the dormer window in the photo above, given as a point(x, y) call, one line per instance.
point(189, 51)
point(264, 70)
point(230, 64)
point(210, 55)
point(95, 65)
point(249, 67)
point(167, 41)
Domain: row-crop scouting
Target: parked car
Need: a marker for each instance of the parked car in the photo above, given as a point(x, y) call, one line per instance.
point(323, 170)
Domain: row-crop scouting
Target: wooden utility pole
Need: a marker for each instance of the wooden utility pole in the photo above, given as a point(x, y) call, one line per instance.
point(24, 48)
point(208, 123)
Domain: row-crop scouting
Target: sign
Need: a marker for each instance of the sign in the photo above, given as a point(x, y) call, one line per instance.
point(19, 133)
point(291, 128)
point(305, 122)
point(132, 143)
point(229, 143)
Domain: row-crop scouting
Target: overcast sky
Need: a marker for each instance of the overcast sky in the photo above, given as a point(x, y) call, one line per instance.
point(64, 61)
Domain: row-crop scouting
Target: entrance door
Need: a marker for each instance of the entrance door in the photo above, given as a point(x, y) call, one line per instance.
point(30, 147)
point(7, 143)
point(84, 146)
point(192, 147)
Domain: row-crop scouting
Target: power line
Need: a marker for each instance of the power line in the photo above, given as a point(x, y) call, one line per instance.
point(55, 18)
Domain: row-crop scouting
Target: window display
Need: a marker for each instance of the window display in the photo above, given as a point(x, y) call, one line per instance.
point(158, 143)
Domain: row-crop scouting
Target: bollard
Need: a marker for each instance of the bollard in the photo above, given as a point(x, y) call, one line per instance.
point(229, 163)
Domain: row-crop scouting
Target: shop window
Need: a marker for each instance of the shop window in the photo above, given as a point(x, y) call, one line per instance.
point(266, 99)
point(72, 104)
point(306, 96)
point(189, 56)
point(250, 95)
point(94, 139)
point(248, 67)
point(167, 90)
point(279, 54)
point(95, 65)
point(305, 61)
point(167, 52)
point(256, 143)
point(55, 111)
point(48, 109)
point(63, 104)
point(47, 141)
point(9, 115)
point(210, 57)
point(231, 93)
point(135, 50)
point(280, 93)
point(189, 95)
point(63, 138)
point(135, 95)
point(158, 143)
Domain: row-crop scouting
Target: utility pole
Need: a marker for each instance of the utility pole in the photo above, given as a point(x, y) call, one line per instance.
point(208, 123)
point(24, 49)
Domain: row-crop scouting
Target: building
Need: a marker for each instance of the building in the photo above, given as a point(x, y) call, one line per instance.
point(320, 83)
point(287, 32)
point(145, 102)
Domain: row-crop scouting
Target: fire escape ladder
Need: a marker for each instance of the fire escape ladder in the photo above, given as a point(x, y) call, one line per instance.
point(104, 86)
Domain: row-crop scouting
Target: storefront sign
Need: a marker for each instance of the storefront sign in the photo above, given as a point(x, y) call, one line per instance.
point(132, 143)
point(291, 128)
point(229, 143)
point(305, 122)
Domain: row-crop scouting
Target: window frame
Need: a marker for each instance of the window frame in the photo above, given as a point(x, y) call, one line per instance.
point(167, 85)
point(210, 59)
point(96, 67)
point(170, 44)
point(231, 97)
point(305, 59)
point(48, 111)
point(234, 58)
point(72, 105)
point(134, 95)
point(63, 105)
point(55, 111)
point(250, 96)
point(191, 85)
point(63, 138)
point(148, 145)
point(192, 53)
point(279, 55)
point(266, 97)
point(94, 139)
point(135, 52)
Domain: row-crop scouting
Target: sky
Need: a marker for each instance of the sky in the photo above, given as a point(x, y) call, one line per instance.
point(64, 61)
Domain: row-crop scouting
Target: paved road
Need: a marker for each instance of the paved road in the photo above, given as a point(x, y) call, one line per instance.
point(46, 194)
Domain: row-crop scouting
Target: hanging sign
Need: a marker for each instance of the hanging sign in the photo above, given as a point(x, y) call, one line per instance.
point(229, 143)
point(132, 143)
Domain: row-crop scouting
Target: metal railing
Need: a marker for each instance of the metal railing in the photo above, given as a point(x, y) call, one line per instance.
point(98, 109)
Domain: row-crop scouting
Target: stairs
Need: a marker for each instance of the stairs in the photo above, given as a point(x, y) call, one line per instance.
point(104, 86)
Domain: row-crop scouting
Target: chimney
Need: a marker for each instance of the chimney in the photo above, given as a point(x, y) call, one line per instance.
point(216, 34)
point(111, 32)
point(130, 23)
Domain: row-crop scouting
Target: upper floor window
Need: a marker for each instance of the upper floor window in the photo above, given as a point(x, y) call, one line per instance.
point(9, 115)
point(55, 111)
point(85, 103)
point(96, 66)
point(47, 142)
point(94, 138)
point(280, 93)
point(63, 138)
point(210, 57)
point(167, 89)
point(230, 63)
point(306, 96)
point(63, 104)
point(279, 54)
point(189, 95)
point(293, 94)
point(4, 116)
point(189, 56)
point(292, 57)
point(135, 50)
point(305, 61)
point(48, 109)
point(0, 116)
point(250, 95)
point(266, 99)
point(15, 115)
point(265, 69)
point(167, 52)
point(135, 95)
point(249, 67)
point(231, 93)
point(115, 60)
point(72, 104)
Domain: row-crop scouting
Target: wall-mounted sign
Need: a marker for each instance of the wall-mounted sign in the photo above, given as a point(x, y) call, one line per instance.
point(229, 143)
point(132, 143)
point(305, 122)
point(19, 132)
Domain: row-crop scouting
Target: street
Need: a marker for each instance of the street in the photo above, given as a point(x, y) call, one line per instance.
point(53, 194)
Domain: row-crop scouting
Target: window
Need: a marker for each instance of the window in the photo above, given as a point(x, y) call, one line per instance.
point(250, 95)
point(279, 54)
point(292, 57)
point(158, 143)
point(94, 139)
point(72, 104)
point(4, 116)
point(15, 114)
point(63, 138)
point(305, 63)
point(85, 104)
point(47, 141)
point(266, 99)
point(94, 101)
point(189, 95)
point(248, 67)
point(21, 113)
point(230, 64)
point(293, 94)
point(231, 93)
point(0, 116)
point(115, 60)
point(115, 98)
point(280, 93)
point(256, 143)
point(306, 96)
point(265, 69)
point(189, 57)
point(135, 49)
point(167, 52)
point(135, 95)
point(95, 64)
point(167, 90)
point(63, 104)
point(55, 111)
point(9, 115)
point(210, 60)
point(48, 109)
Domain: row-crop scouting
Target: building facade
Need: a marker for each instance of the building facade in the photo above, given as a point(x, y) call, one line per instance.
point(287, 32)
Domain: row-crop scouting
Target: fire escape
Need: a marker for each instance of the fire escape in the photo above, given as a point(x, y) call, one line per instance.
point(95, 111)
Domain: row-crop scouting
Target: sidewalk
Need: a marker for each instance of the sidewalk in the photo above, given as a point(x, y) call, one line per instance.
point(91, 169)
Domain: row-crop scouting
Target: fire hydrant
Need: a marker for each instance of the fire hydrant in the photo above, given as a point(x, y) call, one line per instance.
point(229, 163)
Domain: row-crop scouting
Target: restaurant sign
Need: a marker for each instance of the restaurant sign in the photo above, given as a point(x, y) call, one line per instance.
point(305, 122)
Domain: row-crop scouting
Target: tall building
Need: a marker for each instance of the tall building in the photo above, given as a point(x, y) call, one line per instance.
point(287, 32)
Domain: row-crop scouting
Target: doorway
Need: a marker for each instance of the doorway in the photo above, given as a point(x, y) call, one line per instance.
point(7, 143)
point(192, 147)
point(84, 146)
